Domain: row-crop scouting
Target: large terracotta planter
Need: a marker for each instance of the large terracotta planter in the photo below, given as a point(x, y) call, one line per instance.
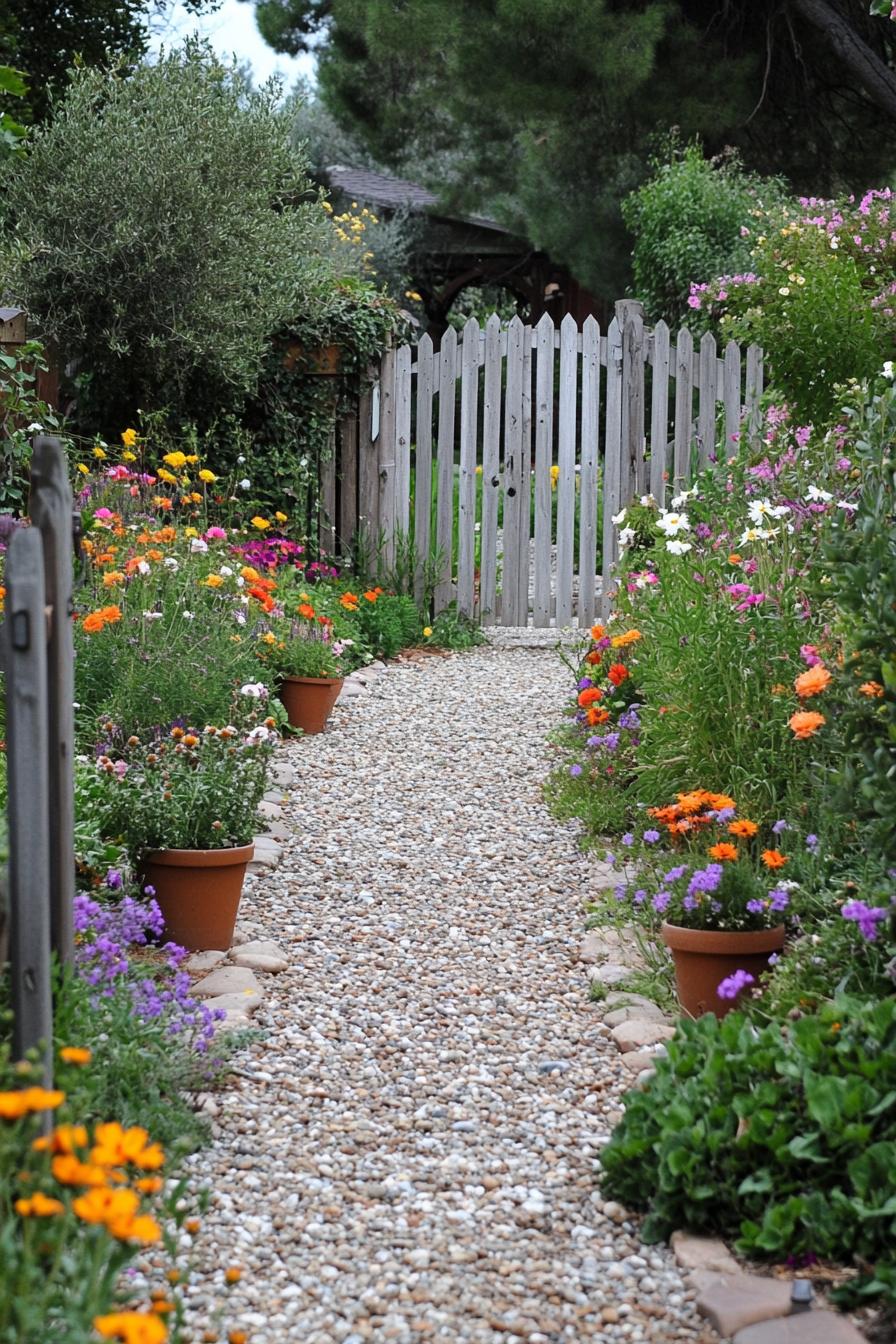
point(705, 957)
point(309, 700)
point(198, 892)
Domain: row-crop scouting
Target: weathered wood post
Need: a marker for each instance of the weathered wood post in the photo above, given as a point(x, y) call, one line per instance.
point(633, 476)
point(25, 662)
point(51, 514)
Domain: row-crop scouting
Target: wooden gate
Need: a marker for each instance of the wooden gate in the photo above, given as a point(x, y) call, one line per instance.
point(504, 455)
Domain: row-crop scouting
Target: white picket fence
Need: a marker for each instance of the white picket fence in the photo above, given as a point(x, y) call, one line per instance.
point(616, 415)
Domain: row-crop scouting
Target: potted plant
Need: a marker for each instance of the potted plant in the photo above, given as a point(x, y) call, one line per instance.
point(305, 658)
point(703, 882)
point(185, 806)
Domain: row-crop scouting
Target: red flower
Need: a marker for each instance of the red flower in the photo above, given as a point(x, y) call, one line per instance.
point(618, 673)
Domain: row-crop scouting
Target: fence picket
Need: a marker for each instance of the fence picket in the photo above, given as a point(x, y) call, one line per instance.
point(25, 663)
point(588, 476)
point(566, 477)
point(491, 470)
point(469, 416)
point(544, 449)
point(684, 392)
point(403, 440)
point(386, 453)
point(423, 461)
point(659, 414)
point(445, 469)
point(348, 481)
point(368, 477)
point(612, 460)
point(524, 562)
point(731, 397)
point(706, 415)
point(513, 448)
point(327, 519)
point(633, 480)
point(755, 374)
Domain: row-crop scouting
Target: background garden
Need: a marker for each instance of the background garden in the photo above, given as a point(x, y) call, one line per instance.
point(164, 230)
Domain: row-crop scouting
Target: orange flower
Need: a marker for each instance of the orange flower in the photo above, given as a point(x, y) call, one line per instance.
point(597, 632)
point(162, 502)
point(773, 858)
point(69, 1170)
point(872, 689)
point(13, 1105)
point(618, 673)
point(64, 1139)
point(595, 656)
point(249, 574)
point(349, 601)
point(694, 801)
point(110, 614)
point(679, 827)
point(743, 829)
point(149, 1185)
point(372, 594)
point(93, 623)
point(115, 1146)
point(590, 696)
point(306, 610)
point(131, 1327)
point(629, 637)
point(664, 814)
point(38, 1206)
point(597, 716)
point(112, 578)
point(75, 1054)
point(718, 801)
point(812, 682)
point(734, 558)
point(723, 852)
point(805, 723)
point(212, 581)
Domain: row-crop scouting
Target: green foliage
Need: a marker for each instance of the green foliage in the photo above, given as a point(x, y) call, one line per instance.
point(784, 1138)
point(301, 649)
point(20, 411)
point(689, 222)
point(207, 241)
point(193, 789)
point(861, 564)
point(12, 133)
point(451, 629)
point(389, 624)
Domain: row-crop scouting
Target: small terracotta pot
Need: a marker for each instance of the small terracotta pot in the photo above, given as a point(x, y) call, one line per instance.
point(309, 700)
point(705, 957)
point(198, 892)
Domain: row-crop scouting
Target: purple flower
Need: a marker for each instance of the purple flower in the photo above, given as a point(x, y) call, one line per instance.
point(651, 837)
point(705, 879)
point(628, 839)
point(629, 718)
point(675, 873)
point(584, 684)
point(114, 879)
point(690, 902)
point(779, 899)
point(725, 814)
point(755, 906)
point(732, 985)
point(575, 771)
point(812, 843)
point(780, 826)
point(866, 916)
point(640, 896)
point(661, 900)
point(619, 893)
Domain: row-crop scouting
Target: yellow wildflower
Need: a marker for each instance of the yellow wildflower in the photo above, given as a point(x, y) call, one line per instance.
point(261, 523)
point(207, 476)
point(176, 460)
point(129, 437)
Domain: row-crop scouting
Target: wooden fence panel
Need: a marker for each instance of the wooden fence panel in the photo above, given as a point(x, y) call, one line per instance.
point(491, 470)
point(659, 414)
point(633, 475)
point(731, 398)
point(25, 659)
point(513, 451)
point(348, 481)
point(755, 379)
point(387, 449)
point(327, 521)
point(445, 469)
point(613, 451)
point(403, 441)
point(51, 514)
point(544, 451)
point(469, 424)
point(566, 477)
point(368, 473)
point(684, 395)
point(588, 477)
point(706, 415)
point(423, 461)
point(525, 484)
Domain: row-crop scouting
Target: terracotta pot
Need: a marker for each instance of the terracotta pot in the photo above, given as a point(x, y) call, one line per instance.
point(705, 957)
point(198, 892)
point(309, 700)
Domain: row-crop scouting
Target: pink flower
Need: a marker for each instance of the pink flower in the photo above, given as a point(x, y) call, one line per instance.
point(103, 514)
point(809, 655)
point(216, 534)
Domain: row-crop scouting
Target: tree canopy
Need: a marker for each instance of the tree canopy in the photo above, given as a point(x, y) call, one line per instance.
point(546, 112)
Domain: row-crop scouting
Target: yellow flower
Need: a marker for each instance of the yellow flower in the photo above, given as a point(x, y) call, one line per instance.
point(269, 638)
point(128, 456)
point(84, 470)
point(207, 476)
point(281, 517)
point(129, 437)
point(261, 523)
point(176, 460)
point(413, 296)
point(16, 1104)
point(191, 532)
point(38, 1206)
point(192, 458)
point(168, 477)
point(99, 453)
point(195, 498)
point(213, 581)
point(131, 1327)
point(427, 631)
point(325, 205)
point(479, 469)
point(78, 1054)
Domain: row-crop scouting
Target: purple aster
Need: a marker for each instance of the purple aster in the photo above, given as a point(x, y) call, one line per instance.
point(725, 814)
point(675, 873)
point(812, 843)
point(585, 684)
point(705, 879)
point(755, 906)
point(866, 916)
point(620, 892)
point(690, 902)
point(780, 826)
point(628, 839)
point(651, 837)
point(640, 896)
point(575, 771)
point(779, 899)
point(661, 900)
point(732, 985)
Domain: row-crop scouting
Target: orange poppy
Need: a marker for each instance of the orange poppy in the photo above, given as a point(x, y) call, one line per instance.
point(589, 696)
point(618, 673)
point(812, 682)
point(805, 723)
point(723, 852)
point(872, 689)
point(306, 610)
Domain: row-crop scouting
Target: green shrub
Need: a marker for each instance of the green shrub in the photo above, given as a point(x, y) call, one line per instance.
point(784, 1137)
point(192, 180)
point(389, 624)
point(688, 222)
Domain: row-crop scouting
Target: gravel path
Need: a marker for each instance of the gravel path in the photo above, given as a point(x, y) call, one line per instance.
point(409, 1152)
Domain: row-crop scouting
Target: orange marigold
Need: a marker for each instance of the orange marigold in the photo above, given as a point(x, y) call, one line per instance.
point(628, 637)
point(743, 829)
point(597, 632)
point(805, 723)
point(723, 852)
point(596, 716)
point(93, 623)
point(812, 682)
point(306, 610)
point(773, 858)
point(872, 689)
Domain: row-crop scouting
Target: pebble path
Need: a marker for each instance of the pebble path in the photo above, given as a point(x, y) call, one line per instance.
point(409, 1149)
